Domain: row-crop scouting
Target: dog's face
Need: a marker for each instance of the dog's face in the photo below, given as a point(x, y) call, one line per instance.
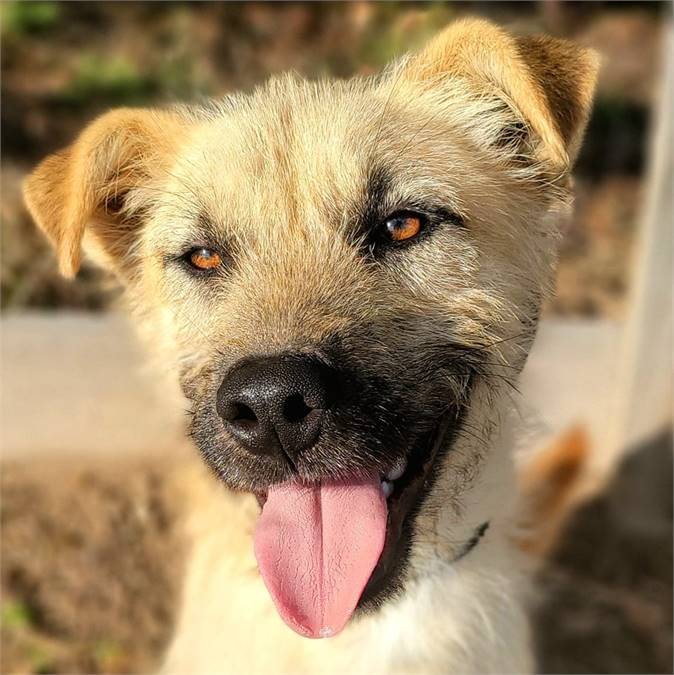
point(347, 275)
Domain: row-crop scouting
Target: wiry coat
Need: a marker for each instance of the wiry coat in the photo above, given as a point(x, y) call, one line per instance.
point(480, 131)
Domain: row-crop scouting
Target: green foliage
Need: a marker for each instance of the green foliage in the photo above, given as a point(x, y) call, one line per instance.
point(116, 80)
point(177, 78)
point(401, 31)
point(107, 654)
point(23, 17)
point(39, 658)
point(15, 615)
point(120, 81)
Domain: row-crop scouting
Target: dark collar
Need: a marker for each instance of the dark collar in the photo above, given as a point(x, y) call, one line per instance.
point(473, 541)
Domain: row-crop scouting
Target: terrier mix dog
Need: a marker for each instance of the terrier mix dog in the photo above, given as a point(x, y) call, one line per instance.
point(346, 276)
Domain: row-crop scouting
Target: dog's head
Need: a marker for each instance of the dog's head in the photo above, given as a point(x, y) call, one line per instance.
point(347, 277)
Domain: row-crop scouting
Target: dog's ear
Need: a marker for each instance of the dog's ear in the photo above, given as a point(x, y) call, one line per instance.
point(86, 185)
point(547, 85)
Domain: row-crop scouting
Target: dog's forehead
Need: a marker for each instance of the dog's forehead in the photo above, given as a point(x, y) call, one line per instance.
point(304, 152)
point(279, 155)
point(298, 159)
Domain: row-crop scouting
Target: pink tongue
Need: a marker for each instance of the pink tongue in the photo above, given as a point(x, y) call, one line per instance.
point(316, 547)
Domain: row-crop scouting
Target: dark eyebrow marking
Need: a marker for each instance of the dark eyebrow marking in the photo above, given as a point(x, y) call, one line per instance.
point(379, 200)
point(208, 233)
point(374, 201)
point(203, 232)
point(206, 226)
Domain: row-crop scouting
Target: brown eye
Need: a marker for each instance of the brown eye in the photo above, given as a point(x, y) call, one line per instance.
point(404, 225)
point(205, 259)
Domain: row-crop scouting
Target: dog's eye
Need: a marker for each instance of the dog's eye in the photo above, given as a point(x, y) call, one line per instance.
point(204, 259)
point(404, 225)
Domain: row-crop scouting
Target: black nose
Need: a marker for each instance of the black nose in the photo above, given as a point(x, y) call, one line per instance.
point(276, 405)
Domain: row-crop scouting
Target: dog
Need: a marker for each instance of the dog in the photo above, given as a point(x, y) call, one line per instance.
point(346, 278)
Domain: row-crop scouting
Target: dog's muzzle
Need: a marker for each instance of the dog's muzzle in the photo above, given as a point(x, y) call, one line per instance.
point(275, 405)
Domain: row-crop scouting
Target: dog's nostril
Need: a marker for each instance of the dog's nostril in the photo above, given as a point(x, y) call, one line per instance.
point(243, 412)
point(276, 405)
point(242, 415)
point(295, 408)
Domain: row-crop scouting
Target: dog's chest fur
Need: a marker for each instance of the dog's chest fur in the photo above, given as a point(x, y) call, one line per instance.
point(462, 616)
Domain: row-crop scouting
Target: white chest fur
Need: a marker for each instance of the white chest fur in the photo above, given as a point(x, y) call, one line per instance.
point(460, 617)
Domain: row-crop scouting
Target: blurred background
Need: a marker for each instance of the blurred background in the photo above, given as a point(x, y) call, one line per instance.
point(92, 554)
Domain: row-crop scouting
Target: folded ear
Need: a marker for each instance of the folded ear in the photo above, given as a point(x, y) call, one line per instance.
point(546, 83)
point(86, 184)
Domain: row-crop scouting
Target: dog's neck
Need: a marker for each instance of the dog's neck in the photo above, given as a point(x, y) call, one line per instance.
point(460, 609)
point(466, 617)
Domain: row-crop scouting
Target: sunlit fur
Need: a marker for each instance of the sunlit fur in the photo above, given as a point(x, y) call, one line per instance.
point(480, 123)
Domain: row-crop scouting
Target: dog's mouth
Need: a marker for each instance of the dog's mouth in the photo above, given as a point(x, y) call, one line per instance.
point(327, 549)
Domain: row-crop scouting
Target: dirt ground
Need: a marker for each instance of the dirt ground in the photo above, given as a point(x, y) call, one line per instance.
point(91, 563)
point(92, 558)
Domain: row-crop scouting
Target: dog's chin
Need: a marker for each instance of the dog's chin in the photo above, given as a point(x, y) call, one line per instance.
point(407, 492)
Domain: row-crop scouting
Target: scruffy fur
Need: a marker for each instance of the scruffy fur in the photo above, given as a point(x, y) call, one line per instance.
point(481, 126)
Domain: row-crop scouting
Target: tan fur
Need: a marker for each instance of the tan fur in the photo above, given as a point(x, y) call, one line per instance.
point(549, 485)
point(78, 186)
point(548, 82)
point(485, 124)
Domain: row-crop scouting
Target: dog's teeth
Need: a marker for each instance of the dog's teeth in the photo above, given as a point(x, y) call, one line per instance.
point(397, 471)
point(387, 488)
